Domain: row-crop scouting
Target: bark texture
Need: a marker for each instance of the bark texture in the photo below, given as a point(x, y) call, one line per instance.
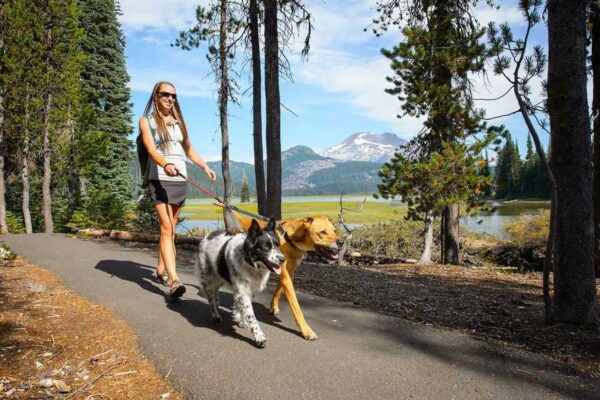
point(451, 251)
point(47, 179)
point(575, 299)
point(595, 26)
point(273, 112)
point(3, 225)
point(427, 239)
point(25, 169)
point(259, 168)
point(223, 102)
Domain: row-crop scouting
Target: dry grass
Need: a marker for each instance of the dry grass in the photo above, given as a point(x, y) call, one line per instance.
point(49, 335)
point(483, 303)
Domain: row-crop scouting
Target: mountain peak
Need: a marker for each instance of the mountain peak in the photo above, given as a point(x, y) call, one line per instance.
point(300, 153)
point(366, 146)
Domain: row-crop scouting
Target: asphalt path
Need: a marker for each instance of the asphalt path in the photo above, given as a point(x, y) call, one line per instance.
point(359, 354)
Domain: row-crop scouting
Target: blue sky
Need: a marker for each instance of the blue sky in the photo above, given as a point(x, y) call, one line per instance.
point(338, 91)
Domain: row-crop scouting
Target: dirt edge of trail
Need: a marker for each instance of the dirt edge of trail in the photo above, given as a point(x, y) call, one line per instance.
point(56, 344)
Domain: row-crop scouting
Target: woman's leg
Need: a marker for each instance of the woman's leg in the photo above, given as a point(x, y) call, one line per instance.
point(167, 240)
point(175, 210)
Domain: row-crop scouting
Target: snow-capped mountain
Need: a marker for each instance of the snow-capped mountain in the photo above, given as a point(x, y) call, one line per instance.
point(365, 146)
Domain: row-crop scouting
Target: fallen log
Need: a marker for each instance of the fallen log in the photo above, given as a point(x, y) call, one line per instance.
point(139, 237)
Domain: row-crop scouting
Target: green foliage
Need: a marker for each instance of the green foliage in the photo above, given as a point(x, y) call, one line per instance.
point(50, 55)
point(447, 177)
point(102, 209)
point(14, 222)
point(401, 239)
point(106, 95)
point(516, 178)
point(145, 219)
point(245, 190)
point(433, 68)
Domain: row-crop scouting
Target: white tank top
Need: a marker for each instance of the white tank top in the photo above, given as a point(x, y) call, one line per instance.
point(173, 152)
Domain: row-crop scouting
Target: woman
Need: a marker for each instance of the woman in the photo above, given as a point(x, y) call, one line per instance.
point(165, 137)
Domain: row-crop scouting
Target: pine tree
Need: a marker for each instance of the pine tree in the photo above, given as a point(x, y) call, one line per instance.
point(61, 59)
point(516, 171)
point(245, 189)
point(432, 69)
point(105, 91)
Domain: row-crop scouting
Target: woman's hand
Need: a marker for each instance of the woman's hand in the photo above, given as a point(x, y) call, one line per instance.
point(170, 169)
point(211, 174)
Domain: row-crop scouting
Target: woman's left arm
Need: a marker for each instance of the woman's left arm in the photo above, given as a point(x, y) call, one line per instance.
point(199, 161)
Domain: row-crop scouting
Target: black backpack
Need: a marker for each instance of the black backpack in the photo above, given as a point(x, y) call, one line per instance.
point(143, 156)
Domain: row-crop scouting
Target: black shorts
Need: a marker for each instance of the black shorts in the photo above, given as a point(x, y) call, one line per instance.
point(167, 192)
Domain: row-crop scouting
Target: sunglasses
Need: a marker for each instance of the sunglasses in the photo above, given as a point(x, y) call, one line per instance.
point(167, 94)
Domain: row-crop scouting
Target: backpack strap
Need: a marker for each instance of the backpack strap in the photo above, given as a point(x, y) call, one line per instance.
point(152, 125)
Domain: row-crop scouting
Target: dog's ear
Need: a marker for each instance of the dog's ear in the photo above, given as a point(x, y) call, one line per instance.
point(254, 230)
point(271, 225)
point(297, 228)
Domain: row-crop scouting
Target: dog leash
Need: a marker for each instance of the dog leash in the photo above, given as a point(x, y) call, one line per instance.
point(218, 199)
point(234, 208)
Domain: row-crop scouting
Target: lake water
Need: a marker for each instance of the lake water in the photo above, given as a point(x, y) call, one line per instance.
point(490, 223)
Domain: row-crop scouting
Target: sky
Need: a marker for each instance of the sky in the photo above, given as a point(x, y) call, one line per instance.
point(337, 91)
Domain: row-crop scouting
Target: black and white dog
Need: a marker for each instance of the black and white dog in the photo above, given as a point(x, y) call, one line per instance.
point(243, 261)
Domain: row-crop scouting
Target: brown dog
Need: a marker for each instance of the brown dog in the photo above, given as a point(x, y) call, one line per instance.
point(301, 235)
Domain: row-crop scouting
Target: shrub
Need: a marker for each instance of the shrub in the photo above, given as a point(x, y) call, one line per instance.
point(529, 228)
point(14, 222)
point(145, 219)
point(397, 238)
point(102, 210)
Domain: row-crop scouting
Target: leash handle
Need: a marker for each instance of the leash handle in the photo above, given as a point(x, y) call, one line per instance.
point(201, 188)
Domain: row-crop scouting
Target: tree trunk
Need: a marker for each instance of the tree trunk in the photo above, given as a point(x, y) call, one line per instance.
point(46, 193)
point(259, 169)
point(428, 239)
point(595, 23)
point(273, 112)
point(575, 299)
point(3, 225)
point(451, 235)
point(25, 168)
point(223, 100)
point(73, 190)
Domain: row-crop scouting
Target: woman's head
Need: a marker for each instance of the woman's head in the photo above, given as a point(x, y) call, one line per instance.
point(161, 104)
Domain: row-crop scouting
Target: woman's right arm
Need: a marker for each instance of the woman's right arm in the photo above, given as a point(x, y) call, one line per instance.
point(148, 141)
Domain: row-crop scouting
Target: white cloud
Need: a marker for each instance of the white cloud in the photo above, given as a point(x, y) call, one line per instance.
point(506, 13)
point(158, 14)
point(186, 81)
point(360, 79)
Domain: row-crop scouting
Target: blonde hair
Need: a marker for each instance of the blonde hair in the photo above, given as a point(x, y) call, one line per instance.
point(161, 127)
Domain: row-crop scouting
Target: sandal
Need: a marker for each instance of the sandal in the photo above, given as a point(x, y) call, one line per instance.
point(177, 290)
point(162, 278)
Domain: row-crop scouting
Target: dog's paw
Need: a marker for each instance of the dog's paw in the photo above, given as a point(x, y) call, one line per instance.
point(217, 319)
point(261, 344)
point(274, 311)
point(310, 335)
point(242, 324)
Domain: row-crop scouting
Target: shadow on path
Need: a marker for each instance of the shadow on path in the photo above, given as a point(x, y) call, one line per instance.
point(196, 312)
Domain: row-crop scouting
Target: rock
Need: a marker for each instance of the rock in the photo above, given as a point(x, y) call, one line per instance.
point(46, 383)
point(35, 287)
point(61, 386)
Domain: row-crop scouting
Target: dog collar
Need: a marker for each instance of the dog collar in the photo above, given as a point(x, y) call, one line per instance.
point(289, 240)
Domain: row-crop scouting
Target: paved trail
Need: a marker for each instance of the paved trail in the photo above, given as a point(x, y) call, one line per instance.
point(359, 354)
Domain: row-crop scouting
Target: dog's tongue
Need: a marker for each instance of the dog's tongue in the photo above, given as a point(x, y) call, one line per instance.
point(277, 270)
